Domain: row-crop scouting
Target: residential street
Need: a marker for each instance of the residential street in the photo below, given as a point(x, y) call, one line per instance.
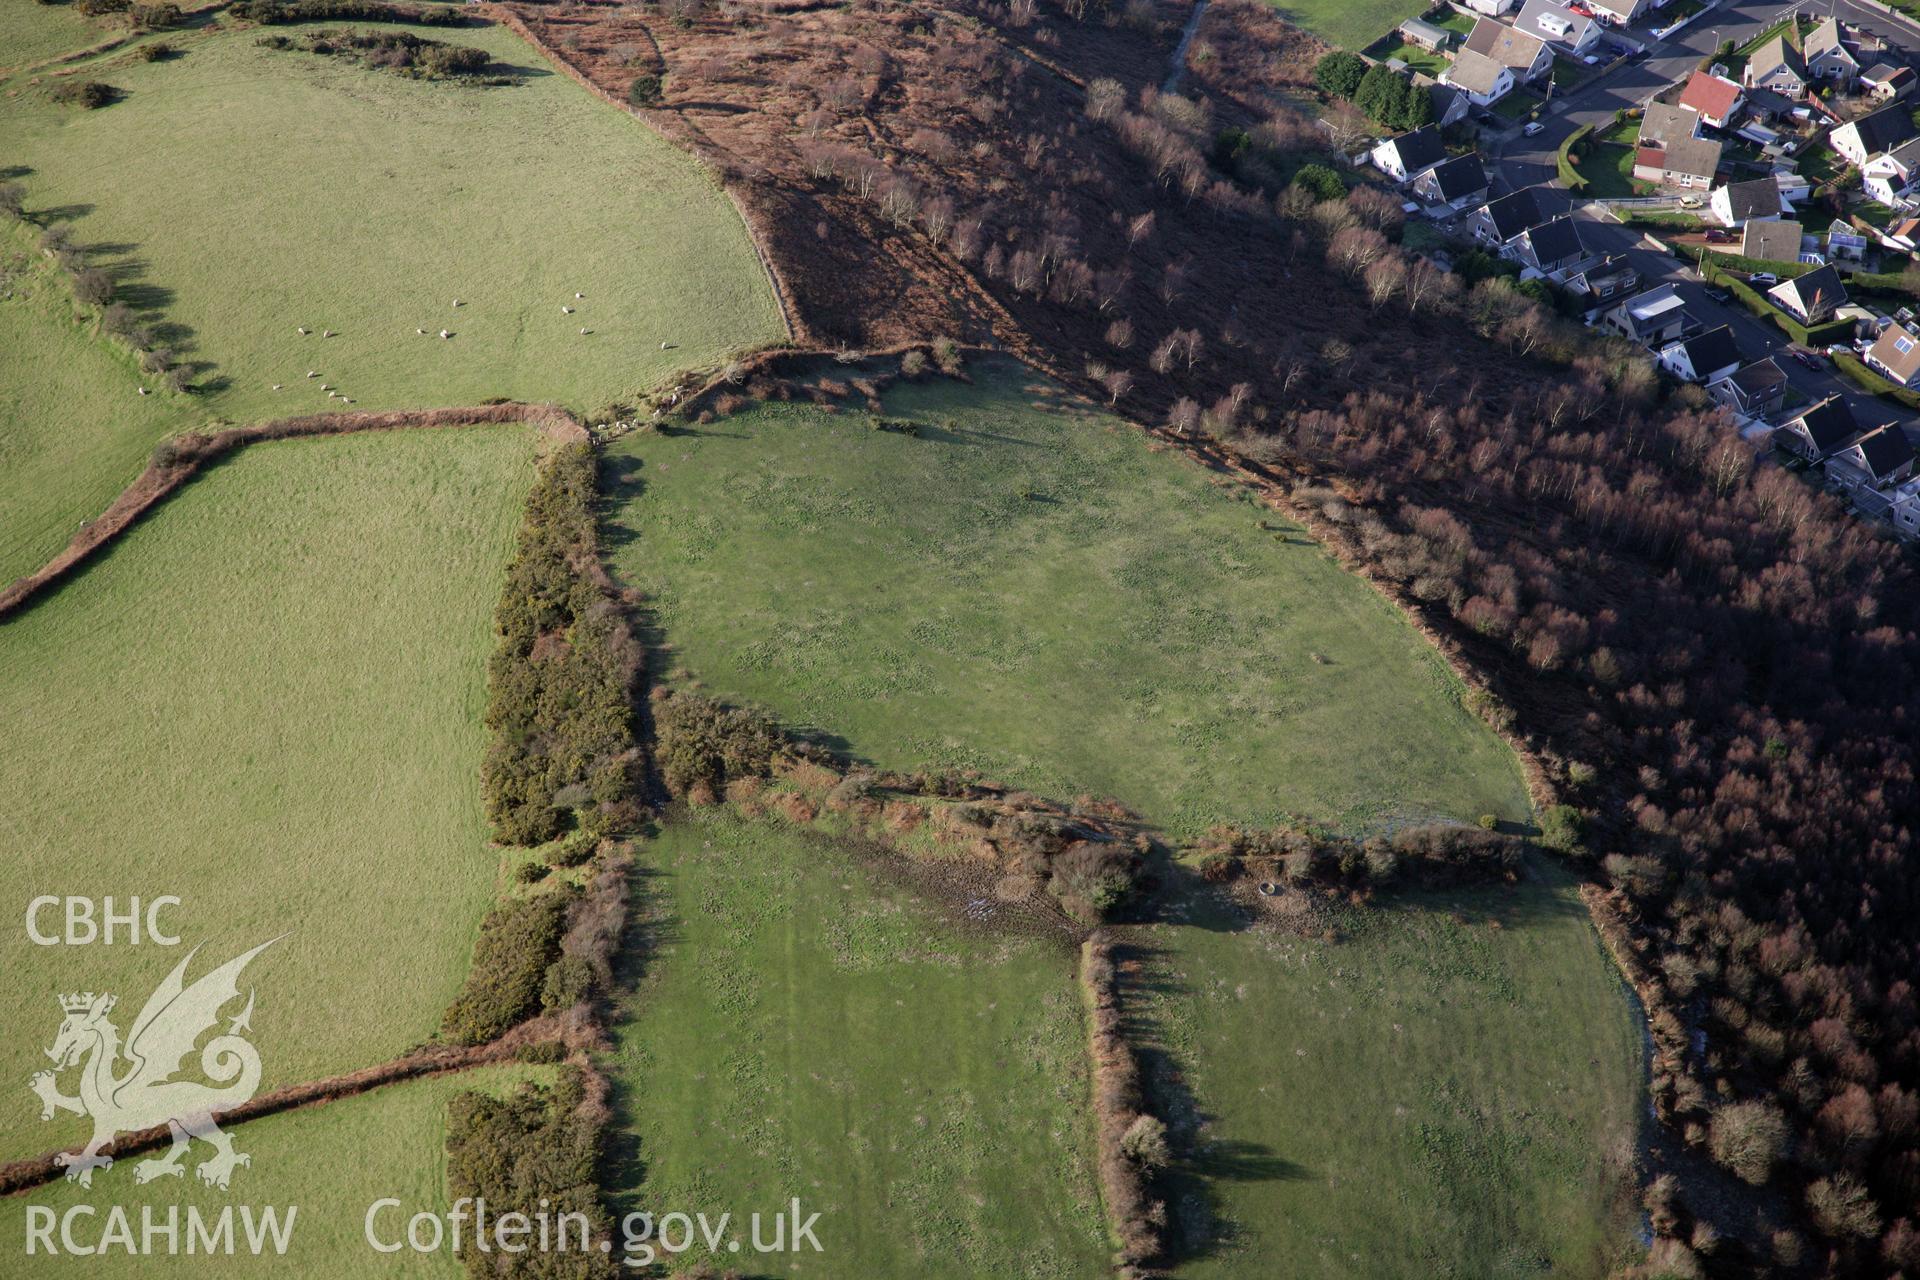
point(1521, 162)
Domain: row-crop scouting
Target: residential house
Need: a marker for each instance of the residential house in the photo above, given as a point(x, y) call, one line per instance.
point(1603, 280)
point(1498, 221)
point(1883, 130)
point(1619, 13)
point(1551, 248)
point(1483, 80)
point(1410, 154)
point(1890, 176)
point(1459, 183)
point(1845, 243)
point(1425, 35)
point(1653, 318)
point(1526, 56)
point(1752, 391)
point(1493, 8)
point(1450, 105)
point(1685, 163)
point(1776, 65)
point(1568, 30)
point(1880, 460)
point(1816, 430)
point(1793, 187)
point(1902, 234)
point(1895, 356)
point(1904, 511)
point(1771, 240)
point(1716, 99)
point(1888, 82)
point(1738, 203)
point(1811, 298)
point(1662, 123)
point(1829, 53)
point(1704, 357)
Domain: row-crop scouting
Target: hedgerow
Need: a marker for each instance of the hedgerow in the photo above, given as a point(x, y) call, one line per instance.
point(558, 684)
point(276, 11)
point(519, 940)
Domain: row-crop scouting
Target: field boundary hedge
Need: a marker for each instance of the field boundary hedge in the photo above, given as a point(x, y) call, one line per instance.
point(1134, 1217)
point(178, 459)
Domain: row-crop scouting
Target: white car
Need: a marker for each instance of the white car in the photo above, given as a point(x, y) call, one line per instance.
point(1533, 127)
point(1690, 202)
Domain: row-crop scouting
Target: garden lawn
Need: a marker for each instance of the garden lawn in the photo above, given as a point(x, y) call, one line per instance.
point(806, 1030)
point(330, 1162)
point(1438, 1095)
point(1350, 26)
point(1030, 588)
point(370, 203)
point(266, 701)
point(74, 429)
point(1415, 56)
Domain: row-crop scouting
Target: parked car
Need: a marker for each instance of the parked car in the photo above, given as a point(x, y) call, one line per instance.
point(1691, 202)
point(1720, 295)
point(1805, 357)
point(1763, 277)
point(1719, 235)
point(1533, 128)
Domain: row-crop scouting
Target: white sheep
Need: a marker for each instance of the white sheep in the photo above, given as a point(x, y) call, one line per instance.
point(663, 346)
point(143, 391)
point(566, 310)
point(276, 386)
point(421, 332)
point(456, 302)
point(312, 373)
point(584, 332)
point(579, 295)
point(445, 334)
point(303, 330)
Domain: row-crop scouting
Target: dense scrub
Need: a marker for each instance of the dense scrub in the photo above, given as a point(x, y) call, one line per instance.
point(519, 940)
point(1132, 1140)
point(399, 51)
point(1435, 856)
point(535, 1153)
point(558, 684)
point(277, 11)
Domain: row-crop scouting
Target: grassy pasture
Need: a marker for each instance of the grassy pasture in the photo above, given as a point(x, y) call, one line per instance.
point(331, 1161)
point(1032, 590)
point(369, 203)
point(266, 700)
point(73, 427)
point(1349, 26)
point(1433, 1096)
point(806, 1030)
point(31, 31)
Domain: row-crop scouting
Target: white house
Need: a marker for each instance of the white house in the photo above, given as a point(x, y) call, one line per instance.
point(1569, 29)
point(1883, 130)
point(1705, 357)
point(1896, 355)
point(1879, 460)
point(1738, 203)
point(1492, 8)
point(1526, 55)
point(1811, 298)
point(1891, 175)
point(1483, 80)
point(1830, 54)
point(1409, 154)
point(1776, 65)
point(1619, 13)
point(1653, 319)
point(1459, 183)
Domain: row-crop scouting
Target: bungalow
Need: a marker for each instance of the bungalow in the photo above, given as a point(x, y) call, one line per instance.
point(1527, 56)
point(1606, 278)
point(1653, 319)
point(1498, 221)
point(1459, 183)
point(1483, 80)
point(1663, 123)
point(1895, 356)
point(1771, 240)
point(1715, 98)
point(1880, 460)
point(1778, 66)
point(1829, 54)
point(1425, 35)
point(1619, 13)
point(1891, 175)
point(1810, 298)
point(1687, 163)
point(1567, 29)
point(1550, 248)
point(1887, 82)
point(1883, 130)
point(1752, 391)
point(1816, 430)
point(1705, 357)
point(1410, 154)
point(1738, 203)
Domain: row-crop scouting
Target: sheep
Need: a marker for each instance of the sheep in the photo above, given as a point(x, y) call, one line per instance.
point(303, 330)
point(326, 333)
point(276, 386)
point(324, 387)
point(312, 373)
point(566, 310)
point(585, 332)
point(445, 334)
point(456, 302)
point(663, 346)
point(143, 391)
point(421, 332)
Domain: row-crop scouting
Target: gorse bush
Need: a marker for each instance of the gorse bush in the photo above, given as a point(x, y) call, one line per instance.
point(399, 51)
point(519, 940)
point(90, 94)
point(531, 1153)
point(700, 743)
point(272, 11)
point(558, 684)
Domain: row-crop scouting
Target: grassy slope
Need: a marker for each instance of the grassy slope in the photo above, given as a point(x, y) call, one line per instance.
point(266, 700)
point(1127, 629)
point(31, 31)
point(72, 423)
point(331, 1161)
point(372, 201)
point(1349, 26)
point(807, 1031)
point(1427, 1099)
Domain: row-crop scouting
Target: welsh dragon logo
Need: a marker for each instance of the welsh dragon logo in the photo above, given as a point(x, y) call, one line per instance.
point(143, 1093)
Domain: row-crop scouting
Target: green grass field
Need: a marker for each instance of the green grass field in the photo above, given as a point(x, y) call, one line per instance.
point(371, 202)
point(266, 700)
point(806, 1030)
point(1349, 26)
point(1431, 1097)
point(31, 32)
point(331, 1162)
point(73, 427)
point(1031, 590)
